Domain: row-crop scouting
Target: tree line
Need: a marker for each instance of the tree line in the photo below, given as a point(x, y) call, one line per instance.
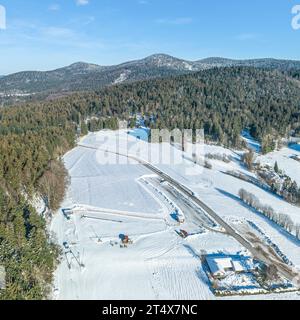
point(282, 219)
point(34, 136)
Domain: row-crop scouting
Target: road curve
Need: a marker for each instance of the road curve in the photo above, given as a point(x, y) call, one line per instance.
point(286, 271)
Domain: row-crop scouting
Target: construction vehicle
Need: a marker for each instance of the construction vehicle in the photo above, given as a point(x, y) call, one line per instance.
point(126, 240)
point(184, 234)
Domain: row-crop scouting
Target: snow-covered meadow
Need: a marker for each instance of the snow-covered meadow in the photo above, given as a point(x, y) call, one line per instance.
point(109, 199)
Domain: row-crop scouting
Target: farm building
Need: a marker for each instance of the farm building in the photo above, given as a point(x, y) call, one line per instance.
point(220, 265)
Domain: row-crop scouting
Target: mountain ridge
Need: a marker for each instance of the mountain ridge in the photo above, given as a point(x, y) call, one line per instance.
point(209, 60)
point(82, 76)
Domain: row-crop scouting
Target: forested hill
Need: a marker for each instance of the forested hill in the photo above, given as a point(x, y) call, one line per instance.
point(34, 136)
point(86, 76)
point(222, 100)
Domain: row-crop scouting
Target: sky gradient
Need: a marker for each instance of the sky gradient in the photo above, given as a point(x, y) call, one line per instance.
point(44, 35)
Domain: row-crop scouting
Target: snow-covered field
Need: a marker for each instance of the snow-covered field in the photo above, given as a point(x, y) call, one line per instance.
point(110, 198)
point(285, 161)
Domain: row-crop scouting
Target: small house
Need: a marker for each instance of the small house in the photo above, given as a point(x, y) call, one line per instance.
point(237, 266)
point(221, 265)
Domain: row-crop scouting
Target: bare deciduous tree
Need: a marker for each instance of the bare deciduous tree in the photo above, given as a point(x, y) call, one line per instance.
point(282, 219)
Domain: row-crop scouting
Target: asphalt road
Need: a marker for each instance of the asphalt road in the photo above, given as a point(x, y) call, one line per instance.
point(259, 250)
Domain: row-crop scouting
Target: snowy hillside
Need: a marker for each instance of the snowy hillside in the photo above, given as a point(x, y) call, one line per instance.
point(115, 194)
point(286, 159)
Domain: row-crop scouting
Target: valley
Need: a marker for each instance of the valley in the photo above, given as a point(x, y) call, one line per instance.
point(114, 193)
point(149, 150)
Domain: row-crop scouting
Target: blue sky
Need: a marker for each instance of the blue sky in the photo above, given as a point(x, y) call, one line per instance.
point(43, 35)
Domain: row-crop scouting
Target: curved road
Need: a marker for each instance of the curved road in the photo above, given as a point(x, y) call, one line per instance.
point(265, 254)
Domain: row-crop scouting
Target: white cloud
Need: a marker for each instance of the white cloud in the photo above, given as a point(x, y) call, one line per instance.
point(82, 2)
point(2, 18)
